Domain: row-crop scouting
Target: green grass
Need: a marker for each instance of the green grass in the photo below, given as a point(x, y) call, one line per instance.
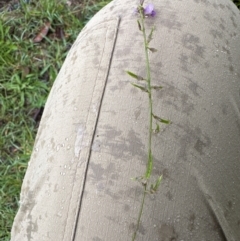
point(27, 72)
point(237, 2)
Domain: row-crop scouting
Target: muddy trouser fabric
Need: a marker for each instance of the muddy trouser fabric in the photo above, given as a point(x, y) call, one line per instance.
point(93, 135)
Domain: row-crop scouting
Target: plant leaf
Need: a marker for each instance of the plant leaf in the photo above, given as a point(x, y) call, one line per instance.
point(150, 35)
point(143, 88)
point(157, 130)
point(164, 121)
point(135, 76)
point(161, 120)
point(155, 87)
point(158, 181)
point(153, 50)
point(139, 25)
point(154, 187)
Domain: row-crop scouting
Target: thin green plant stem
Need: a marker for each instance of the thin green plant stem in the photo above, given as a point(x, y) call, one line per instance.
point(150, 160)
point(140, 213)
point(149, 165)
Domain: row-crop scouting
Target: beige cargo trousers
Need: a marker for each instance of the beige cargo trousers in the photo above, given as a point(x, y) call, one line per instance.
point(93, 135)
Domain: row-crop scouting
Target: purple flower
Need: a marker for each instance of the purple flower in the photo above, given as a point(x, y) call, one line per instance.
point(149, 10)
